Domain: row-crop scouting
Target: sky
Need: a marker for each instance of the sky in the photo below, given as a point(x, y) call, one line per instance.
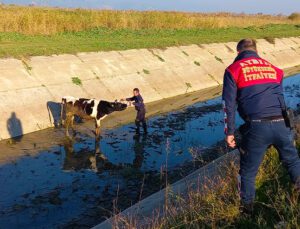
point(238, 6)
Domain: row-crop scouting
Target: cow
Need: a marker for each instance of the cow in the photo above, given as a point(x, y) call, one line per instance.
point(87, 109)
point(76, 160)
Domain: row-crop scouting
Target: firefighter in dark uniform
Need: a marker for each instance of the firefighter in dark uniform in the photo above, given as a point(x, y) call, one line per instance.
point(138, 102)
point(255, 86)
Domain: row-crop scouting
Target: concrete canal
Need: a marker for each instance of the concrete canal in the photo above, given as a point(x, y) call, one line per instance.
point(77, 183)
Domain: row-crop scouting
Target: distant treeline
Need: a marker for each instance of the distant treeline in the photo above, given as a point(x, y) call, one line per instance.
point(46, 21)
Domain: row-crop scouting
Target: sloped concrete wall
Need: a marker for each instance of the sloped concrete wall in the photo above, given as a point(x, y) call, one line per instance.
point(153, 207)
point(31, 89)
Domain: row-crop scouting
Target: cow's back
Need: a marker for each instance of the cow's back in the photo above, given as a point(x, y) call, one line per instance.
point(85, 108)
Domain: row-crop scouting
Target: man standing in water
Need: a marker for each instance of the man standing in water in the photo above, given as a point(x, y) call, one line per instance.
point(255, 86)
point(138, 102)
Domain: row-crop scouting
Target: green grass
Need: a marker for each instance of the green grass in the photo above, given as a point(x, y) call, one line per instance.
point(146, 71)
point(277, 203)
point(197, 63)
point(77, 81)
point(101, 39)
point(219, 59)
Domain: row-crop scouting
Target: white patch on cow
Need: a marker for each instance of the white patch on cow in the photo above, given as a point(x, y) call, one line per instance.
point(94, 109)
point(98, 121)
point(103, 117)
point(70, 99)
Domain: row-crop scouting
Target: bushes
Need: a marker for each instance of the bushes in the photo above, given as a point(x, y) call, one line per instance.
point(294, 17)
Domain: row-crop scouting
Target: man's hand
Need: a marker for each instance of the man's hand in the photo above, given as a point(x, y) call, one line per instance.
point(230, 141)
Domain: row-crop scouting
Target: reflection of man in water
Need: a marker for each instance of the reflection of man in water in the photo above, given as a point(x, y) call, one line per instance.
point(14, 126)
point(139, 148)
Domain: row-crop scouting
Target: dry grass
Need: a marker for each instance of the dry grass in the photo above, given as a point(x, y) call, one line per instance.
point(217, 205)
point(206, 206)
point(46, 21)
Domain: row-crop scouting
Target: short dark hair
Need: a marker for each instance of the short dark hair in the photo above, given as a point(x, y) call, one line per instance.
point(246, 44)
point(136, 89)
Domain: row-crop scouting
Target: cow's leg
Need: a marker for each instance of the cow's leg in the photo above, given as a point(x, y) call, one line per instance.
point(97, 130)
point(67, 126)
point(72, 125)
point(97, 146)
point(68, 122)
point(62, 109)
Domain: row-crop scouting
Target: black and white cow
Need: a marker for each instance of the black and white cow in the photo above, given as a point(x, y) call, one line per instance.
point(87, 109)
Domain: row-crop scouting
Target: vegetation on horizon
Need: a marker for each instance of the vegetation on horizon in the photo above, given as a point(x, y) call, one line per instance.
point(47, 21)
point(33, 31)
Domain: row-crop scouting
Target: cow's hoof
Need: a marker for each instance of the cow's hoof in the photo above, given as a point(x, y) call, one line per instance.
point(145, 134)
point(94, 132)
point(98, 138)
point(68, 138)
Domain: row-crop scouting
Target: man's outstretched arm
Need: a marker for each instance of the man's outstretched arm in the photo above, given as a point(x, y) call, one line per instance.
point(229, 105)
point(130, 99)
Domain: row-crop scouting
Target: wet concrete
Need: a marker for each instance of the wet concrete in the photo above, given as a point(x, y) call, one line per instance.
point(54, 182)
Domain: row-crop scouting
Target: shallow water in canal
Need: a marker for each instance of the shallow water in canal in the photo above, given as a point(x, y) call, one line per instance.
point(78, 184)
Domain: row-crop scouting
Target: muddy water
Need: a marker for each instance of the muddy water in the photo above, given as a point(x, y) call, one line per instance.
point(79, 182)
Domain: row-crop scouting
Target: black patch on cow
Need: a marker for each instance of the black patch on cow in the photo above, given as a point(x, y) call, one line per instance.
point(80, 103)
point(103, 108)
point(89, 107)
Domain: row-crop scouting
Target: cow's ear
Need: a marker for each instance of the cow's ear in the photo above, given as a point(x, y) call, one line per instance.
point(116, 101)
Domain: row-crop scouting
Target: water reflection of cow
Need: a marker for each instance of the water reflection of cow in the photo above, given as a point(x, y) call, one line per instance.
point(96, 160)
point(87, 109)
point(86, 158)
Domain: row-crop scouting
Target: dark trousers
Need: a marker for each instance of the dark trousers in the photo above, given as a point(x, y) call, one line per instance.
point(141, 118)
point(256, 138)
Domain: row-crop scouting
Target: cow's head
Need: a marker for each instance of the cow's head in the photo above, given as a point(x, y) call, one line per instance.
point(118, 106)
point(105, 107)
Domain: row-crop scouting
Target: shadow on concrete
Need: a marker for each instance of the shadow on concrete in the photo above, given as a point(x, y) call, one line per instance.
point(56, 115)
point(54, 111)
point(14, 127)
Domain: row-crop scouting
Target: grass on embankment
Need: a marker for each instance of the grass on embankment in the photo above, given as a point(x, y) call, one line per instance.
point(277, 204)
point(102, 39)
point(30, 31)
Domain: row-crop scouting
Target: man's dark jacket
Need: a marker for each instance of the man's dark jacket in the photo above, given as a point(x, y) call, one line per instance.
point(138, 102)
point(255, 86)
